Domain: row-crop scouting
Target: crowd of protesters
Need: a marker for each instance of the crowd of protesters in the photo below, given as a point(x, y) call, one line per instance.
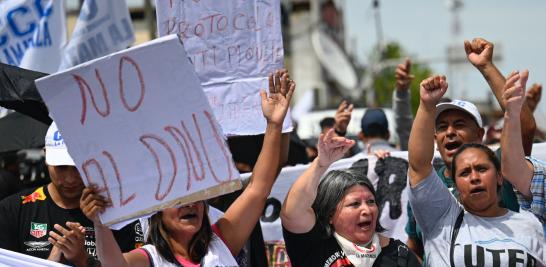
point(472, 206)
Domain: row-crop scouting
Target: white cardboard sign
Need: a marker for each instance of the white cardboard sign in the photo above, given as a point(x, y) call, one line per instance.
point(138, 124)
point(233, 46)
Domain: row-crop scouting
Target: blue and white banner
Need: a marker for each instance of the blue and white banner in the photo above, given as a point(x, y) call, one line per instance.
point(32, 33)
point(103, 27)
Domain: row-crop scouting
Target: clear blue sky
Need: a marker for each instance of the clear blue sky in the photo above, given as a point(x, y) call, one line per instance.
point(423, 28)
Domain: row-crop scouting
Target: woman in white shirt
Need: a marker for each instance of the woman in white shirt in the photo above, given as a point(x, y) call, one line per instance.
point(183, 236)
point(477, 231)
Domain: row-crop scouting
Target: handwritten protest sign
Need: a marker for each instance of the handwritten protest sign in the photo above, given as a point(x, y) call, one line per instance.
point(138, 124)
point(103, 27)
point(32, 34)
point(233, 46)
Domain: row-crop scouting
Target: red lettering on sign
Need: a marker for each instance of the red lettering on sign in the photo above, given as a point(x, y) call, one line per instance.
point(190, 141)
point(186, 149)
point(160, 196)
point(122, 60)
point(122, 202)
point(84, 86)
point(85, 167)
point(86, 89)
point(218, 141)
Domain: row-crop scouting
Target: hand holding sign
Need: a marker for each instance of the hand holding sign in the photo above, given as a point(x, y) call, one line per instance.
point(92, 203)
point(138, 125)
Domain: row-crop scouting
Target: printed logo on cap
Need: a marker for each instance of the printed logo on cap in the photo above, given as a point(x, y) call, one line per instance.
point(460, 103)
point(57, 136)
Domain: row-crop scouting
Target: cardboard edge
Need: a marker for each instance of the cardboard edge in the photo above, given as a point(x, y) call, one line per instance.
point(217, 190)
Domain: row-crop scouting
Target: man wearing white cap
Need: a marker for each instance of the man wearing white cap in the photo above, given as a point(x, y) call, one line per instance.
point(459, 122)
point(47, 222)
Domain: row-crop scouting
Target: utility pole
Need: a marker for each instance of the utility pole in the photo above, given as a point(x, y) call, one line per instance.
point(374, 64)
point(454, 56)
point(149, 16)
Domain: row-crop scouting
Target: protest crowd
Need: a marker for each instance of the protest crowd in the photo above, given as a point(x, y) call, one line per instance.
point(181, 152)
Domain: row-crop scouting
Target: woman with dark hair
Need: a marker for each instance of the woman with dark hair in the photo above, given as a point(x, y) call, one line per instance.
point(478, 231)
point(183, 236)
point(336, 222)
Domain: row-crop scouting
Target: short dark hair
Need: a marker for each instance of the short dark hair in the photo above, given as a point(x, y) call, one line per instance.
point(331, 190)
point(376, 130)
point(327, 122)
point(199, 243)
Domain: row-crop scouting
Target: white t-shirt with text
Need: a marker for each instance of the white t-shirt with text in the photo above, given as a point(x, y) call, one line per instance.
point(513, 239)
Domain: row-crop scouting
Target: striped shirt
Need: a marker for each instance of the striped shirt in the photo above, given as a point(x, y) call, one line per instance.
point(536, 205)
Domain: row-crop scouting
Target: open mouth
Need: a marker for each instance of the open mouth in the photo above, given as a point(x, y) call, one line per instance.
point(477, 191)
point(187, 212)
point(365, 224)
point(453, 146)
point(188, 216)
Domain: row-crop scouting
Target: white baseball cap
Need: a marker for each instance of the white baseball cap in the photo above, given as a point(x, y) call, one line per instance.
point(462, 105)
point(55, 148)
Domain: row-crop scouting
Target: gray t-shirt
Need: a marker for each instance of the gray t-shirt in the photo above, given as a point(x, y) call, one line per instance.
point(513, 239)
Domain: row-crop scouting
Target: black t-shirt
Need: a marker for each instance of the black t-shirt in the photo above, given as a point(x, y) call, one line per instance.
point(311, 249)
point(27, 217)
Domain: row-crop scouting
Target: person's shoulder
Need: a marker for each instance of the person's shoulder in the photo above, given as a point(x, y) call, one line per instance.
point(539, 166)
point(526, 217)
point(34, 195)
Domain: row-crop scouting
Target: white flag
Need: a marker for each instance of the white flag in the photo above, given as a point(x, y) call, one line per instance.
point(32, 34)
point(102, 28)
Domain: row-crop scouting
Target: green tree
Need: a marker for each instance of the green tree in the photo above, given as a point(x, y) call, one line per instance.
point(384, 81)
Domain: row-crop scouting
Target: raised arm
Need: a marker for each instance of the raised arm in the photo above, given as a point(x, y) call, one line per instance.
point(285, 148)
point(515, 168)
point(421, 141)
point(297, 214)
point(401, 104)
point(533, 95)
point(241, 217)
point(343, 117)
point(480, 53)
point(108, 251)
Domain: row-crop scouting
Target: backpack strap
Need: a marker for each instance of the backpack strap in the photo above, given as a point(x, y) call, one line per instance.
point(454, 234)
point(402, 259)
